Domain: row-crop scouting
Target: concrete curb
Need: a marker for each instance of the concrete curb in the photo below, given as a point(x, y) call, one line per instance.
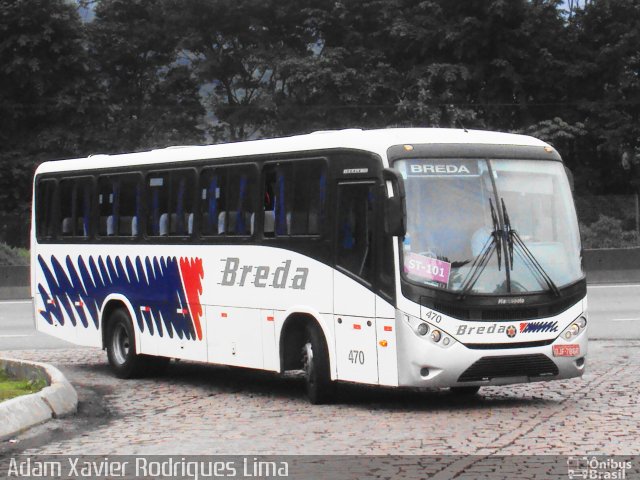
point(57, 400)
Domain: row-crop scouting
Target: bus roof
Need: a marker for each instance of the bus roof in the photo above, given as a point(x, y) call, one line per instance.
point(376, 141)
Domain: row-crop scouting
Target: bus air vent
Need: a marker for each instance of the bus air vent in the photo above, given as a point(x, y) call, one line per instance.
point(455, 312)
point(510, 314)
point(487, 368)
point(494, 346)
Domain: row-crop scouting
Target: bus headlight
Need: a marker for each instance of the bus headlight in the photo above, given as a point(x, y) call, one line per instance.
point(423, 329)
point(574, 329)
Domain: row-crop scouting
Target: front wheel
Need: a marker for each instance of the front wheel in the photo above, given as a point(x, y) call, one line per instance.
point(315, 363)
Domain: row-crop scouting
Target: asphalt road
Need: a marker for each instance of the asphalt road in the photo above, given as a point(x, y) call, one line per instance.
point(17, 330)
point(614, 313)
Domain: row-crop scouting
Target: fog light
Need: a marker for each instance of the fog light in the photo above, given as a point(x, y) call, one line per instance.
point(582, 322)
point(446, 341)
point(436, 336)
point(424, 371)
point(423, 329)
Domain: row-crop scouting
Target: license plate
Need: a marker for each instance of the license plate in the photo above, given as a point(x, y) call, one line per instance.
point(566, 350)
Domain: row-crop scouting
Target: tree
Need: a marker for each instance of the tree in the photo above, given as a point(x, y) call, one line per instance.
point(42, 93)
point(236, 48)
point(148, 98)
point(344, 79)
point(606, 87)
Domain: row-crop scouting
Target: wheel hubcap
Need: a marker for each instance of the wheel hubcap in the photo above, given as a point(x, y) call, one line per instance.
point(121, 344)
point(307, 360)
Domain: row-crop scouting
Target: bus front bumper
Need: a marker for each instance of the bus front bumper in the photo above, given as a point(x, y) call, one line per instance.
point(425, 364)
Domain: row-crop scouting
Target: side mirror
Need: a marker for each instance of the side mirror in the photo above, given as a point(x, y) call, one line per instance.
point(395, 208)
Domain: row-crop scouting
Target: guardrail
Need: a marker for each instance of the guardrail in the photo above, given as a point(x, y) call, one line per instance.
point(608, 265)
point(14, 282)
point(613, 265)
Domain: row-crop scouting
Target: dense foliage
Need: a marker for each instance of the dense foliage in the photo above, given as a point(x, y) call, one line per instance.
point(140, 74)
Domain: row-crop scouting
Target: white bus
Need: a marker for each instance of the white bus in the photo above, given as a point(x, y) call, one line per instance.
point(423, 258)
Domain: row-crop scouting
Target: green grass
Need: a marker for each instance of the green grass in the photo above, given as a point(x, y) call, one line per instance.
point(10, 387)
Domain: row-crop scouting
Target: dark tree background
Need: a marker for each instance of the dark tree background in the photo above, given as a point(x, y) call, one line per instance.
point(140, 74)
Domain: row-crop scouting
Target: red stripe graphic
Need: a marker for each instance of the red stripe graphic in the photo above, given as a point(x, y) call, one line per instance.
point(192, 275)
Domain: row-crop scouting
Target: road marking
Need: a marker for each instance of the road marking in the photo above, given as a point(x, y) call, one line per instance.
point(14, 336)
point(625, 319)
point(16, 302)
point(616, 285)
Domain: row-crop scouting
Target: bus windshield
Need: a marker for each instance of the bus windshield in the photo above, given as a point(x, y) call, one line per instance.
point(489, 226)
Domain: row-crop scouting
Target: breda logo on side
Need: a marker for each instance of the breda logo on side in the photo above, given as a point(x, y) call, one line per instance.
point(263, 276)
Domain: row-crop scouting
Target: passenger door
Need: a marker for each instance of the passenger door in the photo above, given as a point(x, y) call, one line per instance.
point(354, 300)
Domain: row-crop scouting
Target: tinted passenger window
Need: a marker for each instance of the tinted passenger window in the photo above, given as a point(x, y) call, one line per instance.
point(75, 207)
point(294, 198)
point(227, 199)
point(356, 225)
point(119, 203)
point(45, 201)
point(170, 203)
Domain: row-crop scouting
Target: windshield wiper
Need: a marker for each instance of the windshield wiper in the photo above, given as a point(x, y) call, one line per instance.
point(494, 242)
point(513, 238)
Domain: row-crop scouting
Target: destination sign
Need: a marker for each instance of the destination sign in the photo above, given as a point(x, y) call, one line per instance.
point(433, 168)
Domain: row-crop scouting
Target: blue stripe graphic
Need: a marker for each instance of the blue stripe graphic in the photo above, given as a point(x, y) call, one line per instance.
point(156, 284)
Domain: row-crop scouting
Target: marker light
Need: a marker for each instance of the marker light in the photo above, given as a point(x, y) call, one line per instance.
point(436, 336)
point(383, 343)
point(548, 149)
point(408, 148)
point(423, 329)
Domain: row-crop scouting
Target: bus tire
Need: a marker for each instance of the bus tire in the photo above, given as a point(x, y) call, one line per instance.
point(315, 364)
point(464, 391)
point(121, 346)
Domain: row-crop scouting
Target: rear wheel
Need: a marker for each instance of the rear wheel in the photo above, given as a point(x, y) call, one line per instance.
point(121, 349)
point(315, 363)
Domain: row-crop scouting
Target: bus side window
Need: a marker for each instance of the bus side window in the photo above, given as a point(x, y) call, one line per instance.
point(226, 200)
point(239, 218)
point(356, 203)
point(119, 199)
point(294, 198)
point(181, 218)
point(75, 207)
point(212, 184)
point(158, 204)
point(45, 201)
point(170, 203)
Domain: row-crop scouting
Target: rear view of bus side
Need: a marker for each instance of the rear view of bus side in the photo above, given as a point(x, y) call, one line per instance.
point(421, 258)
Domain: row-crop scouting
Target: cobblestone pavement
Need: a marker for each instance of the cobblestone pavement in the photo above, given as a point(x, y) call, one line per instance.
point(201, 409)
